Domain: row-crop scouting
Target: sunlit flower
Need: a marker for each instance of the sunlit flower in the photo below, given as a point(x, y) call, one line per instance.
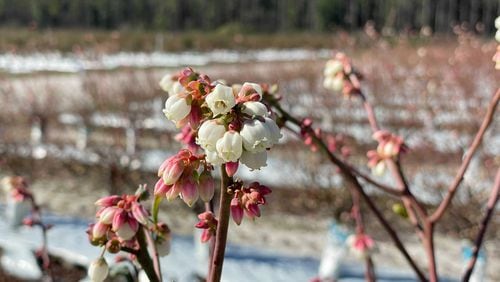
point(333, 67)
point(221, 100)
point(176, 108)
point(256, 136)
point(230, 146)
point(254, 108)
point(208, 134)
point(255, 160)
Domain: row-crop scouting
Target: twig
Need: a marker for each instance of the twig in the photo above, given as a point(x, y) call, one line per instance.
point(222, 227)
point(490, 210)
point(465, 164)
point(350, 177)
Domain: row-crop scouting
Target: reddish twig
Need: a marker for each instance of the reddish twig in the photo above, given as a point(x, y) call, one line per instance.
point(351, 178)
point(222, 228)
point(490, 210)
point(452, 189)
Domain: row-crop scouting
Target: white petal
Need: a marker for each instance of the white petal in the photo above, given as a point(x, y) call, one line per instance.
point(254, 160)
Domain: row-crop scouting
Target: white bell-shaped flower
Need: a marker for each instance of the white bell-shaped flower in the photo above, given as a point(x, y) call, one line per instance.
point(221, 100)
point(254, 109)
point(255, 86)
point(274, 131)
point(256, 136)
point(208, 134)
point(334, 83)
point(213, 158)
point(230, 146)
point(332, 67)
point(254, 160)
point(98, 270)
point(172, 86)
point(176, 108)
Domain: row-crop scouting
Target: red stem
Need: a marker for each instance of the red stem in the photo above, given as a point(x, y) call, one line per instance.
point(222, 227)
point(452, 189)
point(490, 210)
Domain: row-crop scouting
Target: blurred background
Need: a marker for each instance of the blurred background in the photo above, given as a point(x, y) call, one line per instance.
point(81, 110)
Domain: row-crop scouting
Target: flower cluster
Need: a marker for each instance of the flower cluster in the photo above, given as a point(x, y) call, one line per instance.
point(247, 201)
point(361, 245)
point(186, 175)
point(496, 57)
point(208, 223)
point(336, 72)
point(232, 124)
point(118, 217)
point(17, 187)
point(389, 147)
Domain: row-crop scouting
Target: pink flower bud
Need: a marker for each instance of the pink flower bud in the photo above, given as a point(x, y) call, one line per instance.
point(108, 201)
point(206, 186)
point(189, 192)
point(140, 213)
point(119, 219)
point(107, 214)
point(253, 210)
point(127, 230)
point(174, 191)
point(206, 235)
point(161, 188)
point(173, 172)
point(236, 211)
point(231, 168)
point(99, 230)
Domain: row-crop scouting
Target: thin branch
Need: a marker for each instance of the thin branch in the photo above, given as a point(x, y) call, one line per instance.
point(468, 157)
point(386, 188)
point(490, 210)
point(350, 177)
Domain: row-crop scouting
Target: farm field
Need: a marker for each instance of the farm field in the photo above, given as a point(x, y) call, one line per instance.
point(80, 127)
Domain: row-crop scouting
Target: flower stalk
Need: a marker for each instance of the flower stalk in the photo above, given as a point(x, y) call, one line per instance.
point(215, 272)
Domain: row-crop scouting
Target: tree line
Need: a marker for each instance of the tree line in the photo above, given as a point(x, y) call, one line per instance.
point(251, 15)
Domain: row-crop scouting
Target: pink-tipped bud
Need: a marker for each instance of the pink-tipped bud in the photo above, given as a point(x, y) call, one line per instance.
point(206, 186)
point(161, 188)
point(236, 211)
point(173, 172)
point(107, 214)
point(206, 234)
point(189, 192)
point(174, 191)
point(195, 117)
point(253, 210)
point(108, 201)
point(119, 219)
point(140, 213)
point(231, 168)
point(99, 230)
point(127, 230)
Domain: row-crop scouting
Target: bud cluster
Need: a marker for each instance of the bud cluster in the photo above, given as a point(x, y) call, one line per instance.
point(208, 223)
point(118, 218)
point(389, 147)
point(336, 72)
point(186, 175)
point(247, 200)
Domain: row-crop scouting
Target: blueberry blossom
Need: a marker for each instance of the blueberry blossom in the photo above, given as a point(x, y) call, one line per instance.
point(221, 100)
